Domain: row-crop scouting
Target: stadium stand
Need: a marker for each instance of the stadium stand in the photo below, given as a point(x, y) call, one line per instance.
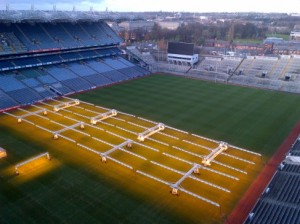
point(6, 101)
point(41, 60)
point(10, 44)
point(209, 64)
point(279, 203)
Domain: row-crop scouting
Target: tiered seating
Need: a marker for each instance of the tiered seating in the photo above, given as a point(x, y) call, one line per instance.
point(29, 73)
point(98, 80)
point(131, 72)
point(293, 69)
point(81, 69)
point(280, 67)
point(146, 57)
point(45, 93)
point(77, 84)
point(99, 66)
point(61, 88)
point(60, 73)
point(269, 212)
point(47, 79)
point(114, 63)
point(229, 63)
point(209, 64)
point(6, 101)
point(58, 58)
point(79, 34)
point(111, 36)
point(290, 168)
point(61, 37)
point(280, 202)
point(31, 82)
point(25, 96)
point(9, 83)
point(10, 44)
point(38, 37)
point(284, 189)
point(246, 65)
point(115, 76)
point(262, 65)
point(141, 70)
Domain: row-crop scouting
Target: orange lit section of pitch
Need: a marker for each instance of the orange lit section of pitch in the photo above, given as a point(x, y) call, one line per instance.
point(32, 170)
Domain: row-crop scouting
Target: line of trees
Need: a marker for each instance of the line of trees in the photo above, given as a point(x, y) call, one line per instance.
point(198, 33)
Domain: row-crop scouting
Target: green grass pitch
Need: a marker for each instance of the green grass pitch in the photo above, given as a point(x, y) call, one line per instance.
point(255, 119)
point(76, 189)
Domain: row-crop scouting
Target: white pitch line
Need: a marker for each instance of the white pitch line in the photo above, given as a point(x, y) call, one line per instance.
point(45, 129)
point(132, 153)
point(147, 120)
point(245, 150)
point(102, 122)
point(170, 136)
point(64, 137)
point(140, 126)
point(146, 146)
point(103, 108)
point(119, 162)
point(175, 129)
point(32, 114)
point(154, 140)
point(28, 121)
point(80, 115)
point(127, 114)
point(177, 158)
point(192, 177)
point(199, 197)
point(131, 132)
point(119, 119)
point(152, 177)
point(84, 102)
point(100, 140)
point(238, 158)
point(230, 167)
point(208, 139)
point(49, 111)
point(200, 156)
point(224, 154)
point(116, 135)
point(202, 167)
point(198, 145)
point(188, 152)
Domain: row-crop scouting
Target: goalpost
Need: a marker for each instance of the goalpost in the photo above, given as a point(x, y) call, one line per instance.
point(30, 160)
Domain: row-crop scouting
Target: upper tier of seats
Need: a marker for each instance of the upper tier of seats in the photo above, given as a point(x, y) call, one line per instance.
point(43, 60)
point(26, 37)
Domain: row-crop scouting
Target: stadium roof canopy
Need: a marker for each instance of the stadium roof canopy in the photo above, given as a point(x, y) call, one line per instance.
point(52, 16)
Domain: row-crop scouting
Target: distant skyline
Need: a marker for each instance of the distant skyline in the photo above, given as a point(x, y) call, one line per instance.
point(287, 6)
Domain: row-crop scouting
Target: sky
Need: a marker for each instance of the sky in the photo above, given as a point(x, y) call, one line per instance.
point(286, 6)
